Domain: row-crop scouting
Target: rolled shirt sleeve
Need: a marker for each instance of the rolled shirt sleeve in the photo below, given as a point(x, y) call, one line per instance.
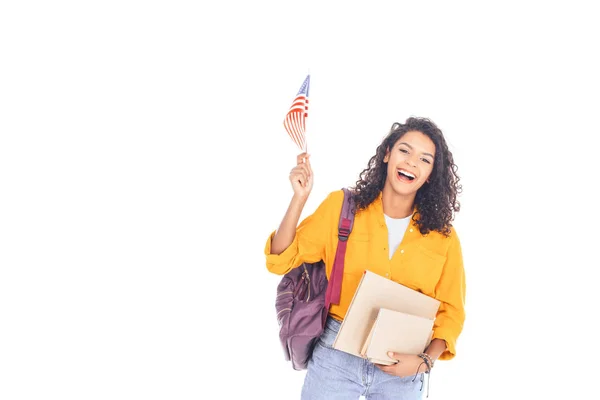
point(311, 238)
point(450, 290)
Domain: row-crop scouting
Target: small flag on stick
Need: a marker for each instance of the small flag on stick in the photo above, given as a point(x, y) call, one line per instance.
point(295, 119)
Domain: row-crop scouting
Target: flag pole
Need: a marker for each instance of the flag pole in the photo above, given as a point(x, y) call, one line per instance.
point(308, 92)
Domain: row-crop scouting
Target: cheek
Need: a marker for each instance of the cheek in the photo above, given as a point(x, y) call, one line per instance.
point(426, 172)
point(397, 158)
point(391, 169)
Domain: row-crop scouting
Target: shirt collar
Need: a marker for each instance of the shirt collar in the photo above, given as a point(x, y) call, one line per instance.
point(378, 209)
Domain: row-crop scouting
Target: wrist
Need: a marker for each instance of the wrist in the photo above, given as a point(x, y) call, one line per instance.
point(436, 348)
point(431, 357)
point(427, 359)
point(299, 199)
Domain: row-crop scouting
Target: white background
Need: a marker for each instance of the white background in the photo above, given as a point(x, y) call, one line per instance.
point(143, 164)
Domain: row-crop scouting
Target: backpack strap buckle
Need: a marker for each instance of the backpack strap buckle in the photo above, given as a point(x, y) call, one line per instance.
point(344, 229)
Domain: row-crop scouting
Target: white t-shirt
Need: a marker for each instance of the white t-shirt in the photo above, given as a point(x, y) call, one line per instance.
point(396, 228)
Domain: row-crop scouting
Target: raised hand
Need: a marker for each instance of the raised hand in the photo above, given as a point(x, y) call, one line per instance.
point(301, 176)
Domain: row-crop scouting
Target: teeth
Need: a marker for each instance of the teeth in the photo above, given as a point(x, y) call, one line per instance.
point(407, 174)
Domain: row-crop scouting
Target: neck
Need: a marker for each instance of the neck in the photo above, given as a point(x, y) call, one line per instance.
point(396, 205)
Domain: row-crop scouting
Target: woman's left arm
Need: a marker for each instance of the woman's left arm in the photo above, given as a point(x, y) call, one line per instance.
point(450, 290)
point(449, 320)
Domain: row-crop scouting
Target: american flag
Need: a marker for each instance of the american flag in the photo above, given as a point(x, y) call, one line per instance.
point(295, 119)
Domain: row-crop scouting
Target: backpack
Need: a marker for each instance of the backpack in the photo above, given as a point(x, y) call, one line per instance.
point(304, 296)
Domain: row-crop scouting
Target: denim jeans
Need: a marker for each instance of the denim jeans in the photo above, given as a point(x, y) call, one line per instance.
point(333, 374)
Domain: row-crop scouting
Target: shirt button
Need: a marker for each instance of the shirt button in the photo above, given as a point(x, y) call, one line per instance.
point(387, 274)
point(402, 251)
point(411, 229)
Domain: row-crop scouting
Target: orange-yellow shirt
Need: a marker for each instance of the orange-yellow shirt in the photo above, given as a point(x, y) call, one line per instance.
point(431, 264)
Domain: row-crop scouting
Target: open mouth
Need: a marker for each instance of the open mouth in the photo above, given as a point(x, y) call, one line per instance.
point(405, 176)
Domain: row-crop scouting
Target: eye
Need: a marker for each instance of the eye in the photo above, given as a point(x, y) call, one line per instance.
point(403, 150)
point(426, 160)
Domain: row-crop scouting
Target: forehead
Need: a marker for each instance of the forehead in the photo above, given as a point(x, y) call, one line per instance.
point(418, 141)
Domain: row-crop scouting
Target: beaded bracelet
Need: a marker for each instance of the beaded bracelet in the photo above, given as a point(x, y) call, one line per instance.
point(428, 361)
point(429, 358)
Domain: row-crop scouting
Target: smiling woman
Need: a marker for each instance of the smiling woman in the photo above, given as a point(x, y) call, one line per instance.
point(415, 153)
point(405, 203)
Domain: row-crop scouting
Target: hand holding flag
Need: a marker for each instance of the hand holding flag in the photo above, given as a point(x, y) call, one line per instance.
point(301, 176)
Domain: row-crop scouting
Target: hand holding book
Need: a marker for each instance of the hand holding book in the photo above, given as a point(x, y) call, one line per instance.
point(398, 332)
point(407, 365)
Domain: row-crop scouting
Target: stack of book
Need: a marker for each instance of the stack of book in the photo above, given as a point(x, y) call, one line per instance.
point(386, 316)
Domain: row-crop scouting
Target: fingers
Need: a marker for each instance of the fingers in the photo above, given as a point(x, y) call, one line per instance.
point(388, 369)
point(305, 168)
point(301, 157)
point(300, 174)
point(308, 166)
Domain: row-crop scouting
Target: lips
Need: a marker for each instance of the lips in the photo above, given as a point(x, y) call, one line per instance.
point(405, 176)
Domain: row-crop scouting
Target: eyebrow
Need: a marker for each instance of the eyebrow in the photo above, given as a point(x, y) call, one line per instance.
point(412, 148)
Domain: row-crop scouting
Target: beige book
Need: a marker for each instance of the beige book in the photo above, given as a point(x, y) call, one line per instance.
point(373, 293)
point(398, 332)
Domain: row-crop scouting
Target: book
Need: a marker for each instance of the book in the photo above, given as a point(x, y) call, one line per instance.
point(398, 332)
point(375, 292)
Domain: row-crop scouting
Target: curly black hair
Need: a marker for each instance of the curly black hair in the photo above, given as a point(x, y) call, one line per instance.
point(435, 201)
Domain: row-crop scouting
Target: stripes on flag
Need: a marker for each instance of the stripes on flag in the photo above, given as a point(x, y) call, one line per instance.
point(295, 119)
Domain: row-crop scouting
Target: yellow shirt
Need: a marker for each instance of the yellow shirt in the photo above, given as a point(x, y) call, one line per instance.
point(431, 264)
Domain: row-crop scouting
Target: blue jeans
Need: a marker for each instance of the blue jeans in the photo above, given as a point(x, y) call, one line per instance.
point(333, 374)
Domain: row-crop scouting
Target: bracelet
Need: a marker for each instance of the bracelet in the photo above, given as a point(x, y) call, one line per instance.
point(426, 362)
point(419, 368)
point(427, 358)
point(429, 364)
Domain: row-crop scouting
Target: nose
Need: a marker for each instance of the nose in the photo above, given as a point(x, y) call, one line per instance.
point(411, 162)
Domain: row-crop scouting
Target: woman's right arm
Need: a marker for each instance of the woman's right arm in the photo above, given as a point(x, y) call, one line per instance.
point(307, 242)
point(301, 178)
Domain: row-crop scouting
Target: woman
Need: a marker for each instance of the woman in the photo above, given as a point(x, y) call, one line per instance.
point(405, 203)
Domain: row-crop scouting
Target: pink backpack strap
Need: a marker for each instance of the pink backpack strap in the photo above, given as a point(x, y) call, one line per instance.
point(334, 286)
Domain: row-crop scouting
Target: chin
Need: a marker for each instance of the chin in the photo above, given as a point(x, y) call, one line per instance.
point(404, 191)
